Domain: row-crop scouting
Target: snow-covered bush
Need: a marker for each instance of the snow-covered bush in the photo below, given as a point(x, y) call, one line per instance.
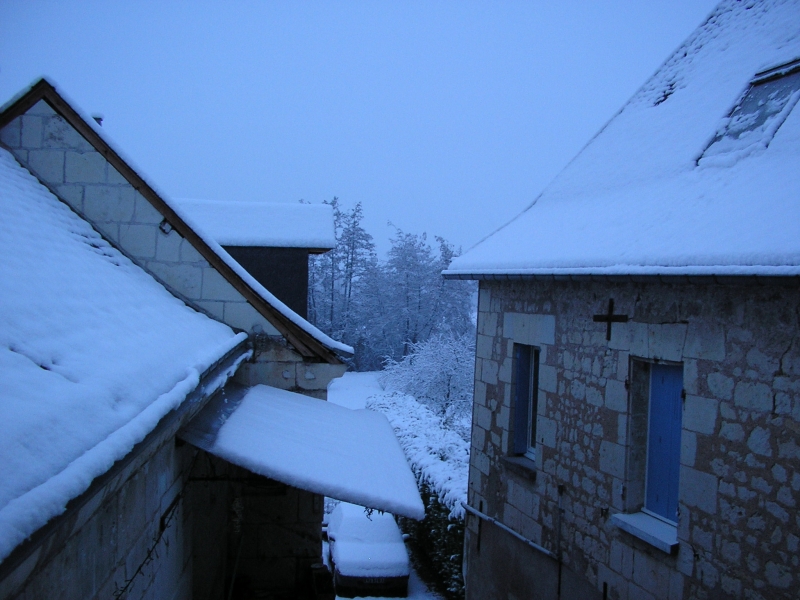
point(437, 456)
point(440, 461)
point(437, 544)
point(439, 373)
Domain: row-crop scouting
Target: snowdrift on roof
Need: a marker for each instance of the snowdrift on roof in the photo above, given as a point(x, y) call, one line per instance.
point(93, 352)
point(268, 224)
point(638, 199)
point(311, 444)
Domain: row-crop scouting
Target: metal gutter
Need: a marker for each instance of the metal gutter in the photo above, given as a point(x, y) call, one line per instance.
point(788, 280)
point(485, 517)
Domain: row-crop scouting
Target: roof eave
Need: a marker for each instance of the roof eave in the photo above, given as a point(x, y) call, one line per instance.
point(697, 279)
point(166, 428)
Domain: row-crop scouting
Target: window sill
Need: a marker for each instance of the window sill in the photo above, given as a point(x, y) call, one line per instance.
point(521, 465)
point(649, 529)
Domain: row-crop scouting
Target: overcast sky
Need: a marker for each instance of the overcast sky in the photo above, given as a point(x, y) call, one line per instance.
point(443, 117)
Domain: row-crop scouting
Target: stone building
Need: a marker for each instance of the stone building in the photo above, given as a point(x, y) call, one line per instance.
point(636, 424)
point(130, 344)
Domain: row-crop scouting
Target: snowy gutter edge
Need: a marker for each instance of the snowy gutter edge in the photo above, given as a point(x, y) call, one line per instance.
point(211, 381)
point(698, 279)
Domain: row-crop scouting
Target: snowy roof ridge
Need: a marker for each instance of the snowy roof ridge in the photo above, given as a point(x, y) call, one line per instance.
point(638, 199)
point(305, 337)
point(264, 224)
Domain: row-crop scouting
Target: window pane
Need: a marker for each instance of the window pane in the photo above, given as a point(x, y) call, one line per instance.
point(664, 440)
point(759, 114)
point(533, 397)
point(522, 385)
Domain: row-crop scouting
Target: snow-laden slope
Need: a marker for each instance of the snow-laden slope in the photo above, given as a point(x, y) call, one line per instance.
point(93, 352)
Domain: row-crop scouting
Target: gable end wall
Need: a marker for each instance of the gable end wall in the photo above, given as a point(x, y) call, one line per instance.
point(738, 529)
point(64, 161)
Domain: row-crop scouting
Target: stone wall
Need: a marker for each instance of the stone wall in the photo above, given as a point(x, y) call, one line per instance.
point(63, 160)
point(276, 364)
point(739, 346)
point(103, 548)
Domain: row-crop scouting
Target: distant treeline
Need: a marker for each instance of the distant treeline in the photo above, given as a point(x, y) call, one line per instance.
point(385, 308)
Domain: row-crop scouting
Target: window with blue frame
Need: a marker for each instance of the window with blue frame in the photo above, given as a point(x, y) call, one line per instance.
point(664, 441)
point(656, 408)
point(525, 391)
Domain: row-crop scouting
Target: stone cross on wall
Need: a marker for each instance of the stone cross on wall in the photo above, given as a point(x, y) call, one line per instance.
point(610, 318)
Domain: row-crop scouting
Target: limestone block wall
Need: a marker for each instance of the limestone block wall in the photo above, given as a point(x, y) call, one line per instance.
point(104, 547)
point(278, 365)
point(61, 158)
point(739, 346)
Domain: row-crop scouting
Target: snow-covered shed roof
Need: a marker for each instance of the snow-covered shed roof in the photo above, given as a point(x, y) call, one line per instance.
point(93, 353)
point(307, 339)
point(265, 224)
point(350, 455)
point(698, 174)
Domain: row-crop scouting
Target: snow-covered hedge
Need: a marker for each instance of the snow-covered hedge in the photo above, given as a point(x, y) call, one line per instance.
point(437, 544)
point(439, 373)
point(440, 460)
point(439, 457)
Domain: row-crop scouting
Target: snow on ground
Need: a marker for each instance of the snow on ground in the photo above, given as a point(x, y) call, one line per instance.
point(93, 352)
point(352, 390)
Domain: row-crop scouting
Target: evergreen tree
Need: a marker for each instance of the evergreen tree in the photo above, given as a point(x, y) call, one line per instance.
point(384, 309)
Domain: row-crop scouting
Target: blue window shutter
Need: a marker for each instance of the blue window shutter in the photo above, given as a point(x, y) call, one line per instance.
point(664, 440)
point(522, 384)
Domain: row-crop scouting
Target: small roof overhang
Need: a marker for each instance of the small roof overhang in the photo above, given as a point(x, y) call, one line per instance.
point(350, 455)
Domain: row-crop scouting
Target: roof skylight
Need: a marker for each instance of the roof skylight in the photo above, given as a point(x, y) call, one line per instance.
point(759, 113)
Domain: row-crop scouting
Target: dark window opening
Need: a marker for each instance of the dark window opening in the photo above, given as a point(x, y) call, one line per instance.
point(525, 398)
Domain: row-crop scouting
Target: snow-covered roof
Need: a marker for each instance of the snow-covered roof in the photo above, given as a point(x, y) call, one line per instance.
point(305, 337)
point(93, 352)
point(267, 224)
point(651, 195)
point(350, 455)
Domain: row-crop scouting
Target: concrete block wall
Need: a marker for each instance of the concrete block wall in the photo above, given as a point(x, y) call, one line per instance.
point(60, 157)
point(738, 528)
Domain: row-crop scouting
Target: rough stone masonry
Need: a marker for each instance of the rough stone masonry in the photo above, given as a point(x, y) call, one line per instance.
point(738, 529)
